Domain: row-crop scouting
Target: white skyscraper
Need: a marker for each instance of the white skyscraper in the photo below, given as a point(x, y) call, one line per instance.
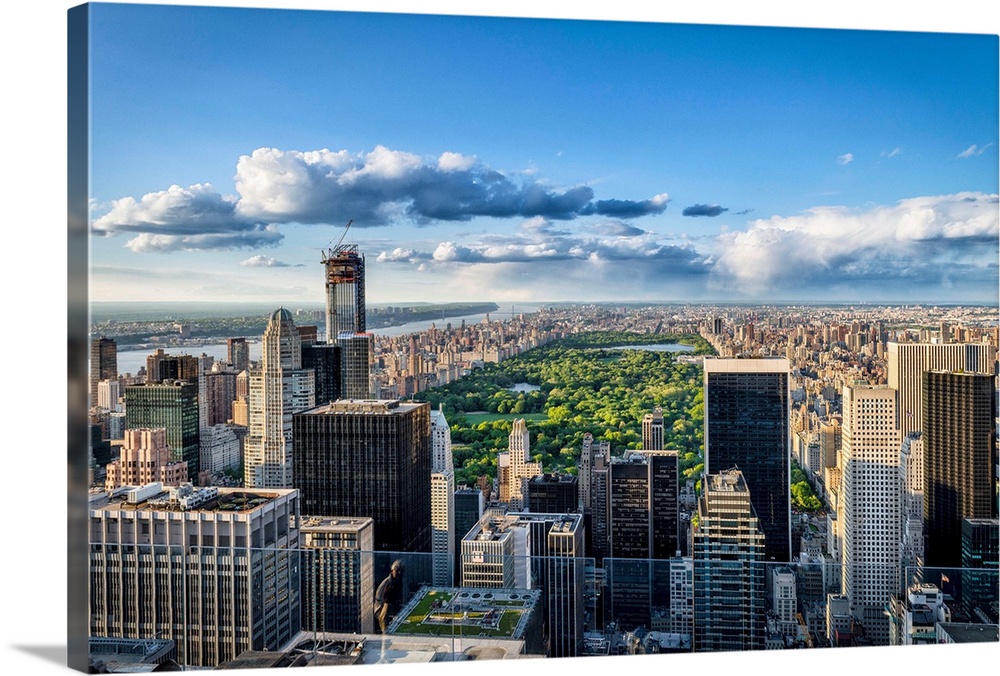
point(513, 468)
point(442, 500)
point(278, 389)
point(870, 499)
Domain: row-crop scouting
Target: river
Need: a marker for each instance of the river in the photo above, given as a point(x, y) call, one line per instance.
point(129, 361)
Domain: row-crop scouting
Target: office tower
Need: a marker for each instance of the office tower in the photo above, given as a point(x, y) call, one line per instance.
point(338, 576)
point(592, 471)
point(172, 405)
point(652, 430)
point(553, 493)
point(218, 569)
point(324, 360)
point(221, 448)
point(747, 427)
point(307, 334)
point(370, 458)
point(980, 578)
point(145, 458)
point(468, 512)
point(959, 471)
point(643, 492)
point(238, 354)
point(682, 595)
point(513, 469)
point(829, 442)
point(783, 601)
point(729, 567)
point(588, 454)
point(161, 366)
point(906, 363)
point(870, 504)
point(442, 500)
point(241, 404)
point(116, 426)
point(355, 365)
point(345, 291)
point(103, 364)
point(345, 320)
point(108, 395)
point(220, 393)
point(911, 505)
point(526, 550)
point(278, 389)
point(642, 528)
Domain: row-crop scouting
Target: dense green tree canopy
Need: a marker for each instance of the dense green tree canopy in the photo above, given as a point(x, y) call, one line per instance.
point(584, 387)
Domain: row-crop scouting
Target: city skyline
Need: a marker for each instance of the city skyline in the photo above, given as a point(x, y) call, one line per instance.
point(711, 162)
point(31, 636)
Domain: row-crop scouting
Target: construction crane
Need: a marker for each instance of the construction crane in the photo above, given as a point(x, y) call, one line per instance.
point(332, 250)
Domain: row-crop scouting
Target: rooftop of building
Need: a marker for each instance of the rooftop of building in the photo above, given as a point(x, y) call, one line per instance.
point(364, 406)
point(327, 648)
point(338, 524)
point(467, 612)
point(185, 498)
point(115, 654)
point(496, 527)
point(729, 481)
point(555, 479)
point(963, 632)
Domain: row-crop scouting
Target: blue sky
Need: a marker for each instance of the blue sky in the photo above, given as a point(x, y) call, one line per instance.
point(529, 159)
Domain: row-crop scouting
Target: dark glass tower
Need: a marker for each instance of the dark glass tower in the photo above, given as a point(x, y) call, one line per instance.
point(747, 427)
point(103, 364)
point(959, 442)
point(324, 359)
point(369, 458)
point(173, 405)
point(554, 493)
point(643, 526)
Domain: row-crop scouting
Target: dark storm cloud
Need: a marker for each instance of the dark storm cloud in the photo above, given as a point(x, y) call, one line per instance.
point(703, 210)
point(377, 188)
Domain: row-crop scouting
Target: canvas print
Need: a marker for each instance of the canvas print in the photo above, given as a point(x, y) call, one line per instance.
point(426, 338)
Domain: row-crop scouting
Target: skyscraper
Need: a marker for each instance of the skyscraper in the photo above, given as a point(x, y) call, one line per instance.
point(172, 405)
point(369, 458)
point(907, 362)
point(468, 512)
point(161, 366)
point(355, 364)
point(338, 576)
point(346, 324)
point(345, 291)
point(214, 569)
point(959, 471)
point(324, 360)
point(530, 550)
point(729, 567)
point(514, 469)
point(277, 390)
point(642, 528)
point(442, 500)
point(870, 501)
point(747, 427)
point(652, 430)
point(103, 364)
point(981, 569)
point(238, 354)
